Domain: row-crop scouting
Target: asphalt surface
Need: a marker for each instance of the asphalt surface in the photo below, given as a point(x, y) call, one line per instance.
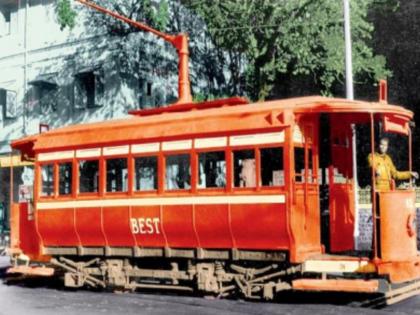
point(42, 298)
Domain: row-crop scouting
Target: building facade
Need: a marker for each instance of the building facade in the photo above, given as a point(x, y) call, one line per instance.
point(51, 77)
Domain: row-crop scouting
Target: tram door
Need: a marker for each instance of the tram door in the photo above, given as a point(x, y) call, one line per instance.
point(306, 188)
point(340, 180)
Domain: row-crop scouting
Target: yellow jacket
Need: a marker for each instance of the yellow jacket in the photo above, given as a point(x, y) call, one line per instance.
point(385, 171)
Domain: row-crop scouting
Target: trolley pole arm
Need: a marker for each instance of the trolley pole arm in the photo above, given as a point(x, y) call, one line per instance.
point(180, 42)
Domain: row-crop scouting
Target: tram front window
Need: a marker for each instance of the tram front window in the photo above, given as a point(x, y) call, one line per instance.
point(178, 172)
point(212, 170)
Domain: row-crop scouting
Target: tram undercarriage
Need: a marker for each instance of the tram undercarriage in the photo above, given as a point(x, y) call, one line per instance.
point(253, 280)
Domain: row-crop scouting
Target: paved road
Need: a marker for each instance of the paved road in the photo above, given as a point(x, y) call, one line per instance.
point(40, 299)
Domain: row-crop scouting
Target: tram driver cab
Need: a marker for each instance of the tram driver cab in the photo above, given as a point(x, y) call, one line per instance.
point(361, 217)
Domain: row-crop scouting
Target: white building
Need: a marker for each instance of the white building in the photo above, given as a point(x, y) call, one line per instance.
point(52, 77)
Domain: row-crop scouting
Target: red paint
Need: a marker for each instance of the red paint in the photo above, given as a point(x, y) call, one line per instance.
point(149, 239)
point(212, 225)
point(89, 229)
point(259, 226)
point(116, 222)
point(57, 228)
point(178, 226)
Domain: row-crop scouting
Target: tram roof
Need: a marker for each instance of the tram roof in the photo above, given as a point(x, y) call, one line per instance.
point(205, 118)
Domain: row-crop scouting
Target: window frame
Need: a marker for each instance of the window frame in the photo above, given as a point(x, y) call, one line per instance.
point(73, 188)
point(159, 169)
point(272, 146)
point(105, 158)
point(307, 178)
point(192, 155)
point(197, 152)
point(54, 177)
point(100, 191)
point(232, 161)
point(258, 181)
point(95, 96)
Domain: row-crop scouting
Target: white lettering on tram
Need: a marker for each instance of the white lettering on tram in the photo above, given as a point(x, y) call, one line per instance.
point(145, 225)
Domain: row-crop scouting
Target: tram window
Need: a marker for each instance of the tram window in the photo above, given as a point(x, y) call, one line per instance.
point(116, 175)
point(272, 172)
point(47, 173)
point(88, 176)
point(244, 168)
point(300, 165)
point(178, 172)
point(145, 173)
point(311, 175)
point(211, 169)
point(65, 178)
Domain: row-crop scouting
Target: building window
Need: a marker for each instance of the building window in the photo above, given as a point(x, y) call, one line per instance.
point(46, 94)
point(178, 172)
point(88, 89)
point(145, 173)
point(65, 175)
point(211, 170)
point(272, 173)
point(149, 89)
point(47, 180)
point(244, 168)
point(88, 176)
point(8, 102)
point(116, 175)
point(6, 18)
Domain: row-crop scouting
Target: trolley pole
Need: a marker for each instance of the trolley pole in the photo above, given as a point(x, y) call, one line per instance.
point(349, 62)
point(350, 95)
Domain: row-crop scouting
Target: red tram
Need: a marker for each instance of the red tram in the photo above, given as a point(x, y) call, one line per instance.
point(221, 196)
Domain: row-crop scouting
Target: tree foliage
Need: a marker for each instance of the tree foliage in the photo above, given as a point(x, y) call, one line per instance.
point(65, 14)
point(292, 38)
point(265, 43)
point(139, 54)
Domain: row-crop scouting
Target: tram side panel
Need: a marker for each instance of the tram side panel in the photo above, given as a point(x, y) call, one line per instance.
point(260, 226)
point(212, 223)
point(244, 226)
point(23, 230)
point(57, 227)
point(178, 226)
point(116, 226)
point(89, 226)
point(146, 226)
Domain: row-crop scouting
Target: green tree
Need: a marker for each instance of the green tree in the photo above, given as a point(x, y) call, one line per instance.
point(263, 44)
point(287, 39)
point(136, 55)
point(65, 14)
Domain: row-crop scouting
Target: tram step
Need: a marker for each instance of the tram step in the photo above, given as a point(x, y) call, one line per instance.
point(344, 285)
point(31, 271)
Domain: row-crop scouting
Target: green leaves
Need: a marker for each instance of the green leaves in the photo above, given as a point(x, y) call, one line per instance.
point(65, 14)
point(265, 44)
point(143, 10)
point(293, 38)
